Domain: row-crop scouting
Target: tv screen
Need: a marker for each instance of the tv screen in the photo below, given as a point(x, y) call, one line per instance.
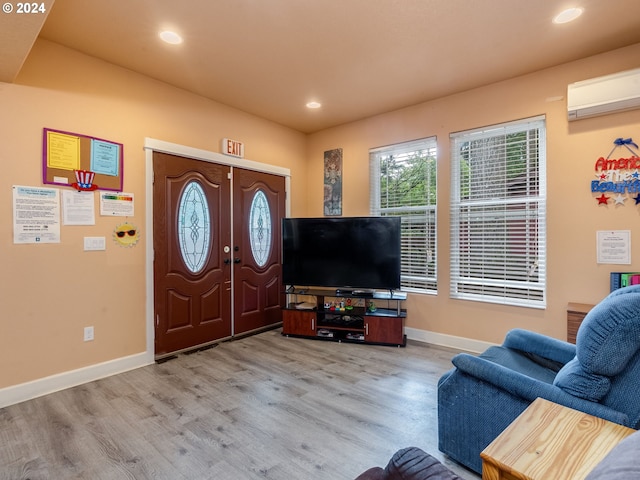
point(342, 252)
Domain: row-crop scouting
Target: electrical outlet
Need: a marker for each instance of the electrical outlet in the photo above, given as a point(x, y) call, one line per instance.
point(88, 334)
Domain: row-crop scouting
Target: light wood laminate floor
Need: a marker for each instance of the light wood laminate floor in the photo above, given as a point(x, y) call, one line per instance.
point(261, 407)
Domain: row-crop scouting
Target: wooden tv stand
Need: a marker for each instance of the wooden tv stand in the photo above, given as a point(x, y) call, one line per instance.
point(324, 320)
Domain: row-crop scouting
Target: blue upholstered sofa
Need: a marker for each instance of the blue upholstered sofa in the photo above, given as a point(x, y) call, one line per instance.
point(599, 375)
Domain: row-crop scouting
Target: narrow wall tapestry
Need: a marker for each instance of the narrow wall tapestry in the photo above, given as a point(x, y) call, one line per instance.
point(333, 182)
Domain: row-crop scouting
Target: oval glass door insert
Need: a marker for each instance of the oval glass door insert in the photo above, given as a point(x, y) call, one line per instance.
point(260, 228)
point(194, 227)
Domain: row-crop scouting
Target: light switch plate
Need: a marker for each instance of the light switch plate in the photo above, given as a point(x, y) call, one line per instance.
point(95, 243)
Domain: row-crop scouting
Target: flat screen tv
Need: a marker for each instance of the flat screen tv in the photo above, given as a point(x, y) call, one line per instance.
point(346, 253)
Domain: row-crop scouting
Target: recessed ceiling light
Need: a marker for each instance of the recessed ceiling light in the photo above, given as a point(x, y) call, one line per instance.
point(170, 37)
point(314, 105)
point(568, 15)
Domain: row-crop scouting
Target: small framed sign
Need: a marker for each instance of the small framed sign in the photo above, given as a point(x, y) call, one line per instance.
point(614, 247)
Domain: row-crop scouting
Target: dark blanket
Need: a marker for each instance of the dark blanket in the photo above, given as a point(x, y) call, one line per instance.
point(410, 463)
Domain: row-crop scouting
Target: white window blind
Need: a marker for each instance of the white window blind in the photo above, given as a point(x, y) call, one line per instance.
point(498, 214)
point(403, 184)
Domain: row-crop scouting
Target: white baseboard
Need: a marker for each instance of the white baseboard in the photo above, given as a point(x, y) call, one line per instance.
point(443, 340)
point(43, 386)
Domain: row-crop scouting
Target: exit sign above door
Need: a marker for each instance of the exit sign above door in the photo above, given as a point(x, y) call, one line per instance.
point(232, 147)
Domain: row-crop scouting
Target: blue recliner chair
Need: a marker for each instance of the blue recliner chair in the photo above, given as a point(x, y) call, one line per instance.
point(599, 375)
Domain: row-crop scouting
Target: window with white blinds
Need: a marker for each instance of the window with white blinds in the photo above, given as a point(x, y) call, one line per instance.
point(403, 184)
point(498, 214)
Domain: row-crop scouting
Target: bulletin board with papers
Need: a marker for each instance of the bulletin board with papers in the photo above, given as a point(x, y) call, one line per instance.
point(70, 159)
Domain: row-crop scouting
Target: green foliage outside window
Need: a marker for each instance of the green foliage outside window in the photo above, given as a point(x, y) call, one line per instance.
point(408, 180)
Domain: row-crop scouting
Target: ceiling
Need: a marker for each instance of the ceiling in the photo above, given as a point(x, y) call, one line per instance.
point(357, 57)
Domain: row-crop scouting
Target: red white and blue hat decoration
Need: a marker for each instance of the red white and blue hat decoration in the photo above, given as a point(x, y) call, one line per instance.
point(84, 180)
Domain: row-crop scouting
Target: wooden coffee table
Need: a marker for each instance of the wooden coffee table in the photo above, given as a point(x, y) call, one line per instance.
point(549, 441)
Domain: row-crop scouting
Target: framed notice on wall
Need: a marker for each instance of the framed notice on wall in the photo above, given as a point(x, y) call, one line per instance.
point(614, 247)
point(81, 161)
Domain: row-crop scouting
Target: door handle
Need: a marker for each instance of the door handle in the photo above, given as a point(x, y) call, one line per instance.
point(236, 260)
point(227, 261)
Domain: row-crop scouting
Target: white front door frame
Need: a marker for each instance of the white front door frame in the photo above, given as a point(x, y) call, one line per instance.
point(153, 145)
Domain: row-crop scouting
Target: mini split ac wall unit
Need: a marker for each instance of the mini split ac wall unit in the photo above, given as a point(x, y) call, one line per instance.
point(604, 95)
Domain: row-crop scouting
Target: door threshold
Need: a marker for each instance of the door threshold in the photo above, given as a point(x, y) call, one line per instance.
point(165, 357)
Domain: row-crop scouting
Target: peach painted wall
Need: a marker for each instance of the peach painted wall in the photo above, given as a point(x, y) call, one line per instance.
point(49, 293)
point(574, 216)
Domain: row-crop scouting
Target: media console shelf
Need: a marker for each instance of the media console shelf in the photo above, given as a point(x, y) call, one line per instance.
point(323, 320)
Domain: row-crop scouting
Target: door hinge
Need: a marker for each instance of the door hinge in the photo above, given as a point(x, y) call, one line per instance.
point(228, 175)
point(157, 320)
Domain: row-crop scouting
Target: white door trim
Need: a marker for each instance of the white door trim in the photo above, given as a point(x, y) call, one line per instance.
point(153, 145)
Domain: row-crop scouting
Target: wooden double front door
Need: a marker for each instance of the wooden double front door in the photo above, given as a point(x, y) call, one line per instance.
point(217, 265)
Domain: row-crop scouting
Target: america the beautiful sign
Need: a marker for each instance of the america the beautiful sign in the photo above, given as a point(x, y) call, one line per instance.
point(618, 179)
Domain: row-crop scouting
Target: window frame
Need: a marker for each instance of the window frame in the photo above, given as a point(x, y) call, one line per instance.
point(418, 221)
point(508, 209)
